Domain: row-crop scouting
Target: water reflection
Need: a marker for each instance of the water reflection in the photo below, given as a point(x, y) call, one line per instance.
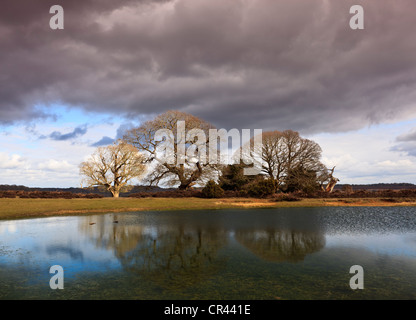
point(74, 254)
point(281, 245)
point(104, 233)
point(286, 237)
point(209, 254)
point(166, 253)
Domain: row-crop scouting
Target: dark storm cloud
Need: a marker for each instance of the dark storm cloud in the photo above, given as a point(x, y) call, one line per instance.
point(245, 64)
point(58, 136)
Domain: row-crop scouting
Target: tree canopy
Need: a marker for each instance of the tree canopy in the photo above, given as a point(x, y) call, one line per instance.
point(180, 167)
point(113, 167)
point(291, 161)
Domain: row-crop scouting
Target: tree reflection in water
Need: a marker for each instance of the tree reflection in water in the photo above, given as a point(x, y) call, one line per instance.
point(176, 251)
point(170, 254)
point(278, 245)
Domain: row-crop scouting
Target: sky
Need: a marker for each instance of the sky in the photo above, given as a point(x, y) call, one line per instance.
point(256, 64)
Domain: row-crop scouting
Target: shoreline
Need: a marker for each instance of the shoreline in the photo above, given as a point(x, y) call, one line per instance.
point(16, 208)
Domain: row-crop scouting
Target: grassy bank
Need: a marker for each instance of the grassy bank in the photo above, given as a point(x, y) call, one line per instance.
point(31, 208)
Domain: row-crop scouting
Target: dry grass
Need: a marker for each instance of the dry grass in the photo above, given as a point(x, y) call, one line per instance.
point(30, 208)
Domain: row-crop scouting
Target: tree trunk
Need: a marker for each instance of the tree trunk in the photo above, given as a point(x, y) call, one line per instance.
point(331, 185)
point(275, 184)
point(184, 186)
point(115, 194)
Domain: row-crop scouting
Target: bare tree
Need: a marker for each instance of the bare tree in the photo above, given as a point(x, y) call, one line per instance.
point(184, 171)
point(328, 178)
point(113, 167)
point(286, 156)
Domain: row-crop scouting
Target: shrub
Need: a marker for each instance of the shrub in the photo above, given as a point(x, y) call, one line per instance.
point(287, 197)
point(393, 200)
point(212, 190)
point(232, 177)
point(233, 194)
point(347, 188)
point(261, 188)
point(169, 194)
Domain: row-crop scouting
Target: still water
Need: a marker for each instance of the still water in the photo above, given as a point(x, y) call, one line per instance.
point(284, 253)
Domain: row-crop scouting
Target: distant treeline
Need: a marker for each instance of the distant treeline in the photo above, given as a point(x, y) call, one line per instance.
point(23, 194)
point(362, 193)
point(377, 186)
point(291, 196)
point(396, 190)
point(6, 191)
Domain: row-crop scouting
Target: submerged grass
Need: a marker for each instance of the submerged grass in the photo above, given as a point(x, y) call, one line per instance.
point(31, 208)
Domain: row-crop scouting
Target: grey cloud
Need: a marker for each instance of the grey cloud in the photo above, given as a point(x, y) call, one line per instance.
point(406, 143)
point(123, 128)
point(408, 148)
point(104, 141)
point(244, 64)
point(58, 136)
point(411, 136)
point(121, 131)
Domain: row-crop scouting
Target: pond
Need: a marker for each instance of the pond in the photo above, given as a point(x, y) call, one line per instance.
point(254, 254)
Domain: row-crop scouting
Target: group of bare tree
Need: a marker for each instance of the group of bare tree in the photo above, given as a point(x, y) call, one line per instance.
point(290, 161)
